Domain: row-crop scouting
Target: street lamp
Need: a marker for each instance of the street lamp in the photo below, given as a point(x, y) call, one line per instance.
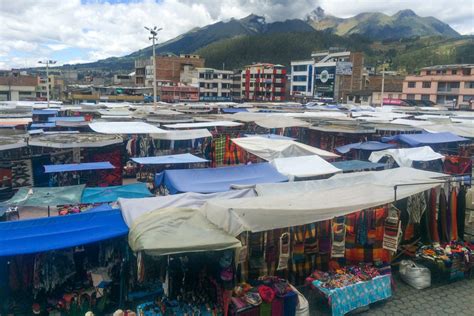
point(154, 32)
point(47, 63)
point(388, 61)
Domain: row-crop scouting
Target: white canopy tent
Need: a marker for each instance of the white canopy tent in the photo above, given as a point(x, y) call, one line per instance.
point(405, 157)
point(125, 128)
point(134, 208)
point(304, 166)
point(204, 124)
point(270, 149)
point(156, 233)
point(321, 200)
point(183, 134)
point(277, 121)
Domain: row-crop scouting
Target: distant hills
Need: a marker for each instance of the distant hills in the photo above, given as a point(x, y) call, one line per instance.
point(379, 26)
point(241, 41)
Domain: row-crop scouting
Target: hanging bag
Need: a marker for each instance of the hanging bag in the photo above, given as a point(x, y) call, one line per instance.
point(284, 250)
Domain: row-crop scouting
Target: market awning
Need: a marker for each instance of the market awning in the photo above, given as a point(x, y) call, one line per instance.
point(156, 233)
point(405, 157)
point(12, 122)
point(78, 167)
point(49, 196)
point(66, 119)
point(204, 124)
point(125, 128)
point(183, 135)
point(277, 121)
point(210, 180)
point(370, 145)
point(113, 193)
point(134, 208)
point(76, 140)
point(270, 136)
point(12, 142)
point(59, 232)
point(415, 140)
point(233, 110)
point(44, 112)
point(270, 149)
point(303, 202)
point(304, 166)
point(170, 159)
point(43, 125)
point(357, 165)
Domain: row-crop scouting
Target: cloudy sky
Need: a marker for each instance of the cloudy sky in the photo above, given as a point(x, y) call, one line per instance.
point(73, 31)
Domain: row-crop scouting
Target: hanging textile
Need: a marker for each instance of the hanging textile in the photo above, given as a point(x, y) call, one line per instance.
point(416, 206)
point(461, 212)
point(453, 207)
point(443, 217)
point(392, 230)
point(338, 238)
point(22, 173)
point(110, 177)
point(219, 151)
point(432, 224)
point(41, 179)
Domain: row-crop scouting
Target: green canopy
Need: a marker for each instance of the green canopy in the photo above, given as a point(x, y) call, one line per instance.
point(46, 196)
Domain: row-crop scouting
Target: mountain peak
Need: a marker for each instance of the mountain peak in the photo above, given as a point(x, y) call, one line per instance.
point(253, 19)
point(316, 15)
point(405, 13)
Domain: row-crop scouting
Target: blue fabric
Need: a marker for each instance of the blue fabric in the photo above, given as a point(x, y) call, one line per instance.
point(44, 112)
point(357, 165)
point(112, 194)
point(43, 125)
point(171, 159)
point(233, 110)
point(415, 140)
point(67, 119)
point(346, 299)
point(211, 180)
point(370, 145)
point(78, 167)
point(270, 136)
point(59, 232)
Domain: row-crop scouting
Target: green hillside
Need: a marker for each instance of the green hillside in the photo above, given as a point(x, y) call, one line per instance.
point(407, 55)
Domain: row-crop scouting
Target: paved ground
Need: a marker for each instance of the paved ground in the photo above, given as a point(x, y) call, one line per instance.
point(456, 298)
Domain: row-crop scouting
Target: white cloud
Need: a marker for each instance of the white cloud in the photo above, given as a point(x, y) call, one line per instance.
point(100, 29)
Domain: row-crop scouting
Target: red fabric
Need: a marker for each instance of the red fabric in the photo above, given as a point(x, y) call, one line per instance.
point(266, 293)
point(113, 176)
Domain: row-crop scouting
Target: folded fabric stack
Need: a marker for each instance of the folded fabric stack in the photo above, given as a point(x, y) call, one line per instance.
point(455, 255)
point(342, 277)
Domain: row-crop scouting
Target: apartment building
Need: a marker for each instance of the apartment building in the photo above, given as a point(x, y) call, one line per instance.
point(144, 72)
point(236, 85)
point(451, 85)
point(263, 82)
point(213, 84)
point(302, 75)
point(56, 87)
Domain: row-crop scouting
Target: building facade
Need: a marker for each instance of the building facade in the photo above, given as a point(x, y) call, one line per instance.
point(263, 82)
point(451, 85)
point(177, 93)
point(169, 67)
point(16, 87)
point(328, 75)
point(213, 84)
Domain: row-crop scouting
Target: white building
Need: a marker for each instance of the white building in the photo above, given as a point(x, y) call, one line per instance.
point(213, 84)
point(302, 78)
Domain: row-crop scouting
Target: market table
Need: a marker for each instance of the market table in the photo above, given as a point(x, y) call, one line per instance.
point(345, 299)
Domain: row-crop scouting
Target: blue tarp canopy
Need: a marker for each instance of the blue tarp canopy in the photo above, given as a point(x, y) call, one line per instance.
point(46, 196)
point(233, 110)
point(211, 180)
point(371, 145)
point(44, 112)
point(357, 165)
point(59, 232)
point(112, 194)
point(43, 125)
point(67, 119)
point(171, 159)
point(78, 167)
point(270, 136)
point(416, 140)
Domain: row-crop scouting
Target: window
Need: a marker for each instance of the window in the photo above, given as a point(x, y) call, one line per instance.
point(467, 98)
point(425, 97)
point(428, 72)
point(469, 85)
point(426, 84)
point(299, 88)
point(454, 72)
point(410, 96)
point(454, 85)
point(390, 96)
point(201, 75)
point(466, 71)
point(299, 78)
point(300, 68)
point(411, 84)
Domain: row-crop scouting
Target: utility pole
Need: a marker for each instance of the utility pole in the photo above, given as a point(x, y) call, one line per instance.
point(383, 85)
point(154, 32)
point(47, 63)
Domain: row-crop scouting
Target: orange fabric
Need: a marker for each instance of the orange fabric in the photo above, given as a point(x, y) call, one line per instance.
point(454, 208)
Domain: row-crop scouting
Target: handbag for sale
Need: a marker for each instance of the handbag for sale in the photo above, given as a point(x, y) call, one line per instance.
point(284, 252)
